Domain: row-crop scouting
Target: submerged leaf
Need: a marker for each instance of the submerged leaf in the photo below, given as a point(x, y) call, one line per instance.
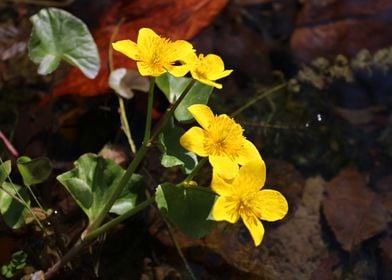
point(353, 211)
point(58, 35)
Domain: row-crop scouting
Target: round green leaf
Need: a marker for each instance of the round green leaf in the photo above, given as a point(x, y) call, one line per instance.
point(34, 171)
point(92, 182)
point(187, 208)
point(13, 211)
point(5, 170)
point(173, 87)
point(58, 35)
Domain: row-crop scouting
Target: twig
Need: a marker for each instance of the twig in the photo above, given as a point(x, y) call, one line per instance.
point(8, 145)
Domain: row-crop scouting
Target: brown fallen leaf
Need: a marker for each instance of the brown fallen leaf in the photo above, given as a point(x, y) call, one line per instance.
point(353, 211)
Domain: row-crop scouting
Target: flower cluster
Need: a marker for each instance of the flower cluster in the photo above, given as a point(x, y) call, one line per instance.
point(239, 171)
point(155, 55)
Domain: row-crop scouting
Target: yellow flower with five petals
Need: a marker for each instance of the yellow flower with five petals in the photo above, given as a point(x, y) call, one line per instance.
point(243, 198)
point(155, 55)
point(207, 69)
point(221, 139)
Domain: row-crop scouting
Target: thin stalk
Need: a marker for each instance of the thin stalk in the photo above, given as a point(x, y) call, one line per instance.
point(105, 227)
point(34, 197)
point(125, 125)
point(150, 101)
point(119, 188)
point(123, 112)
point(133, 165)
point(178, 248)
point(170, 111)
point(199, 165)
point(65, 259)
point(258, 98)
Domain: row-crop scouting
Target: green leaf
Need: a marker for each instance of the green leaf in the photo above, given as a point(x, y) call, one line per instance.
point(5, 170)
point(92, 182)
point(129, 196)
point(34, 171)
point(173, 87)
point(173, 153)
point(124, 81)
point(58, 35)
point(18, 262)
point(13, 211)
point(187, 208)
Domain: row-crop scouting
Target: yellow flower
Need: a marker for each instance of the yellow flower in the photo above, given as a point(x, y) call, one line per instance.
point(156, 55)
point(207, 69)
point(243, 198)
point(221, 139)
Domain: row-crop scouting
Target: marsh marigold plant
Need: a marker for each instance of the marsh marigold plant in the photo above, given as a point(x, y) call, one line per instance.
point(243, 198)
point(155, 55)
point(220, 139)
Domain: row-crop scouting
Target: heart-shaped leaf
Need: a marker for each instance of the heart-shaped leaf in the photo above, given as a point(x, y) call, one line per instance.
point(173, 87)
point(187, 208)
point(5, 170)
point(34, 171)
point(58, 35)
point(173, 154)
point(92, 182)
point(13, 211)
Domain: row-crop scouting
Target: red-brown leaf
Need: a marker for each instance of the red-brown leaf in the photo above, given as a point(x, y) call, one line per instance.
point(353, 211)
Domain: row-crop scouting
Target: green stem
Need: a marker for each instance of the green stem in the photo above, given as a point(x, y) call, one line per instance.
point(35, 198)
point(132, 166)
point(125, 124)
point(199, 165)
point(147, 130)
point(105, 227)
point(258, 98)
point(170, 111)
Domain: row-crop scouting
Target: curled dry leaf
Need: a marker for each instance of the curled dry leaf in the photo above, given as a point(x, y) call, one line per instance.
point(172, 19)
point(353, 211)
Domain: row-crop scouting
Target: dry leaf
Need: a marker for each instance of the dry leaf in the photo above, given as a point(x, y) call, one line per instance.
point(353, 211)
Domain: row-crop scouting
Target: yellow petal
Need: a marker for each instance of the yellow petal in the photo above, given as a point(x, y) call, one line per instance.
point(270, 205)
point(202, 114)
point(220, 75)
point(193, 140)
point(251, 176)
point(225, 209)
point(127, 47)
point(146, 36)
point(206, 81)
point(248, 153)
point(145, 69)
point(220, 185)
point(254, 226)
point(224, 166)
point(179, 71)
point(179, 50)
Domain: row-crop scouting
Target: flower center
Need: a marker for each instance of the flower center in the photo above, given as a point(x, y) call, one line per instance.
point(224, 137)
